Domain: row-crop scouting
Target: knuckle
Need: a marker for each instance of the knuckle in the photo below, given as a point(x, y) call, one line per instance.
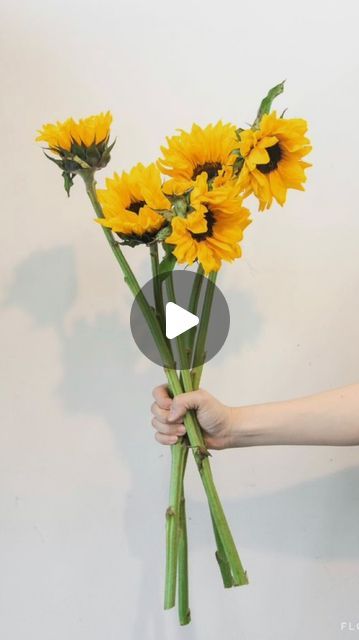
point(155, 391)
point(166, 429)
point(160, 414)
point(175, 428)
point(178, 402)
point(164, 416)
point(202, 396)
point(165, 439)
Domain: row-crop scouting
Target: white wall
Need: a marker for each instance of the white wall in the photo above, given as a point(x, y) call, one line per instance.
point(83, 482)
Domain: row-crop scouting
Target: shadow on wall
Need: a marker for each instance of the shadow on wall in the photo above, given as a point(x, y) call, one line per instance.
point(45, 286)
point(96, 360)
point(314, 519)
point(97, 379)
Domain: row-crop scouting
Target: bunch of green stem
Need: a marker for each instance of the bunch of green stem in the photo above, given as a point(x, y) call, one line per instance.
point(176, 540)
point(191, 349)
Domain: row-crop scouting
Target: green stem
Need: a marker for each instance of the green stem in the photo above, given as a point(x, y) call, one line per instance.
point(173, 520)
point(222, 559)
point(182, 550)
point(200, 347)
point(226, 551)
point(183, 604)
point(157, 285)
point(192, 308)
point(176, 531)
point(172, 515)
point(201, 454)
point(129, 276)
point(193, 429)
point(199, 357)
point(183, 599)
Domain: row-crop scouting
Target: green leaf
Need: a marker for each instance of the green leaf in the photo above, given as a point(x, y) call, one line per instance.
point(109, 149)
point(68, 181)
point(104, 160)
point(238, 133)
point(59, 163)
point(167, 265)
point(105, 154)
point(266, 103)
point(238, 165)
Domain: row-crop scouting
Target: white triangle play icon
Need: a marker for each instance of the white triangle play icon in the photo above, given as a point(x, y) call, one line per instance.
point(178, 320)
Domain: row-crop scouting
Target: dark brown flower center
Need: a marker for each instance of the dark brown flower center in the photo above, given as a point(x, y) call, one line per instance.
point(211, 168)
point(136, 206)
point(275, 155)
point(199, 237)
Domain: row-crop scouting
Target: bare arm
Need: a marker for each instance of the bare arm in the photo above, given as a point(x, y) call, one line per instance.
point(328, 418)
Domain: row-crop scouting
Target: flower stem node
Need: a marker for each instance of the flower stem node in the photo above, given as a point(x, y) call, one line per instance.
point(170, 513)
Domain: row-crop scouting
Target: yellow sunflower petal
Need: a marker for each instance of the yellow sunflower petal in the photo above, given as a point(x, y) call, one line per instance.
point(130, 201)
point(273, 158)
point(208, 149)
point(84, 132)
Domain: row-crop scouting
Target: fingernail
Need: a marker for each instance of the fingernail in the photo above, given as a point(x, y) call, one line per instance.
point(181, 431)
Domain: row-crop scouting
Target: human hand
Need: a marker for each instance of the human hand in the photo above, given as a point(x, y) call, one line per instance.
point(213, 416)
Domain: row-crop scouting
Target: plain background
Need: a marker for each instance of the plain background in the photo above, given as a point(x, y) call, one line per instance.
point(84, 485)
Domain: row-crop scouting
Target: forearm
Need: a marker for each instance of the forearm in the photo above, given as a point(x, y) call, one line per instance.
point(329, 418)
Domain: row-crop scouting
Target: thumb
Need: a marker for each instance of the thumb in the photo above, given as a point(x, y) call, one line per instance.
point(183, 402)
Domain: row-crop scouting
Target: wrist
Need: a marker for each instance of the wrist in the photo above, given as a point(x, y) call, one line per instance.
point(252, 425)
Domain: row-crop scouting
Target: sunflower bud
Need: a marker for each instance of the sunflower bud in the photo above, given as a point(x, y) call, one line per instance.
point(180, 206)
point(79, 146)
point(163, 234)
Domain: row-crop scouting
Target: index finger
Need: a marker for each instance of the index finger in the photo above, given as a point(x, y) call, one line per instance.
point(162, 397)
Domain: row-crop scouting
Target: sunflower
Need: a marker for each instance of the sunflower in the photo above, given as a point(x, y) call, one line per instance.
point(86, 132)
point(131, 203)
point(78, 146)
point(212, 230)
point(273, 158)
point(206, 149)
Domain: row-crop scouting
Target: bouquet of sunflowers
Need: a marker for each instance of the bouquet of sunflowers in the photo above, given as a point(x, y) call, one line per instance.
point(187, 208)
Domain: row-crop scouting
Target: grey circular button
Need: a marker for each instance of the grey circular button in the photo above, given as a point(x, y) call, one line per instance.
point(181, 322)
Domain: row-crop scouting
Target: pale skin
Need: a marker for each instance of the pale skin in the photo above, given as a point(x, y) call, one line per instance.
point(329, 418)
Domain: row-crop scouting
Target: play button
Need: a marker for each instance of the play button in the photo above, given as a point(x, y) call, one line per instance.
point(181, 318)
point(178, 320)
